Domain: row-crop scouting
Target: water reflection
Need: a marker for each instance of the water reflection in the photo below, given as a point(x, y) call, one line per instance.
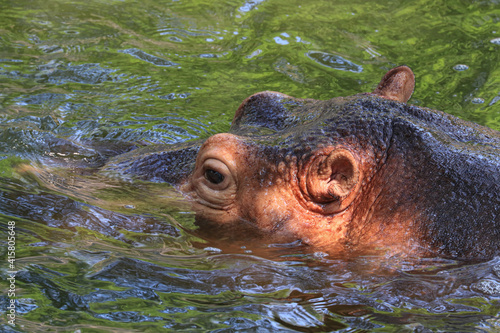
point(141, 55)
point(249, 5)
point(334, 61)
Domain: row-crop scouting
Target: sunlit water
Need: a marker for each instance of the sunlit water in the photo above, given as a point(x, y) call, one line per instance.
point(80, 79)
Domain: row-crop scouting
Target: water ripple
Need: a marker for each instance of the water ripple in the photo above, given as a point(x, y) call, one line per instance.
point(90, 73)
point(157, 61)
point(334, 61)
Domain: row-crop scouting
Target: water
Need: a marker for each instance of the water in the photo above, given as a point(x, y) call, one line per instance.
point(79, 79)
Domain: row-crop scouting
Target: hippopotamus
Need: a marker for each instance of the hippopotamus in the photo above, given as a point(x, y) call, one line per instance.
point(367, 171)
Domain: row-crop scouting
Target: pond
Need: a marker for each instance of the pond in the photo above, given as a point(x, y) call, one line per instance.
point(79, 79)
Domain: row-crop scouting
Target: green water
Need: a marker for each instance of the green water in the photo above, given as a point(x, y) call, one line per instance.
point(99, 255)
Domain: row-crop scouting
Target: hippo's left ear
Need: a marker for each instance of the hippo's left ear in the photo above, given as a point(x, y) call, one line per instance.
point(397, 84)
point(331, 181)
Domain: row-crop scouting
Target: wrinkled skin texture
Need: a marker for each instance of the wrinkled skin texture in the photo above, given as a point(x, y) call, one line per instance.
point(350, 173)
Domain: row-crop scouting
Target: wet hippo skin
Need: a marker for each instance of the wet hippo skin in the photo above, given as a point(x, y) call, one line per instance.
point(364, 171)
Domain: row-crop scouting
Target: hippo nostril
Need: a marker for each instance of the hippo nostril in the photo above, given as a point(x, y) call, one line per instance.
point(214, 176)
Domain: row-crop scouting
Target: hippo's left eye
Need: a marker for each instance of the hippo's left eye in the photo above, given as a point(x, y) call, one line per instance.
point(213, 176)
point(214, 184)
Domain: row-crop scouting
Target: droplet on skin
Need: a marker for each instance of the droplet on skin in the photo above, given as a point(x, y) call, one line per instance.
point(212, 249)
point(320, 255)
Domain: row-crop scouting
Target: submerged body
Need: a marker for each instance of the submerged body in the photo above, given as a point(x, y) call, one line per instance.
point(365, 171)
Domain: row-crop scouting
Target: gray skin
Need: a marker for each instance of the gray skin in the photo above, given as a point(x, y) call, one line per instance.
point(351, 173)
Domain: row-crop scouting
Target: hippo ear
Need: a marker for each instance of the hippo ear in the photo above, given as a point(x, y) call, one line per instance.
point(397, 84)
point(332, 181)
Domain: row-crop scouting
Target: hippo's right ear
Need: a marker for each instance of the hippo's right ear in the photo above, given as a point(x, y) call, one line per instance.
point(397, 84)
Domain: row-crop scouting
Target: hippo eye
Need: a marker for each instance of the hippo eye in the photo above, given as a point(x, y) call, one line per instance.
point(214, 181)
point(213, 176)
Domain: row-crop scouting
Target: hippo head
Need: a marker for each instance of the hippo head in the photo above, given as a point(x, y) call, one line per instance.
point(334, 174)
point(290, 167)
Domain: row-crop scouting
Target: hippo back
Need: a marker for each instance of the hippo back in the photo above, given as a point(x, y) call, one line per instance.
point(450, 169)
